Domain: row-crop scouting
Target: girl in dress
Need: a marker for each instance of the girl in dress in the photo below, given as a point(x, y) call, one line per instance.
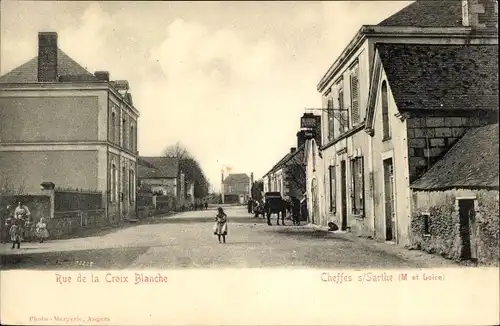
point(41, 230)
point(220, 228)
point(15, 234)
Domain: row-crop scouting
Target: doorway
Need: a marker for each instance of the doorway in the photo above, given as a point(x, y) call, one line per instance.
point(343, 194)
point(467, 228)
point(390, 216)
point(315, 201)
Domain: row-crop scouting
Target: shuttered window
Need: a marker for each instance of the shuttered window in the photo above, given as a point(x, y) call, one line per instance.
point(358, 185)
point(354, 78)
point(331, 120)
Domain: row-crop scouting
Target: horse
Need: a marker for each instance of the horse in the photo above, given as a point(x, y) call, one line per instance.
point(276, 206)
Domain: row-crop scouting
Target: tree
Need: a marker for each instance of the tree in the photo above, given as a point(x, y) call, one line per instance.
point(257, 189)
point(8, 192)
point(296, 177)
point(190, 167)
point(178, 150)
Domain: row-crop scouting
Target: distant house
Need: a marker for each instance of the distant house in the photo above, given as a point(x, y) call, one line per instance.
point(160, 175)
point(236, 188)
point(455, 203)
point(60, 123)
point(288, 175)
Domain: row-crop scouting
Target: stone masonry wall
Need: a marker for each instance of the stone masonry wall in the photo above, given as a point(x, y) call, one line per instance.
point(431, 136)
point(66, 223)
point(443, 235)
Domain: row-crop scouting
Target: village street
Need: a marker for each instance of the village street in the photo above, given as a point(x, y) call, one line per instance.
point(185, 240)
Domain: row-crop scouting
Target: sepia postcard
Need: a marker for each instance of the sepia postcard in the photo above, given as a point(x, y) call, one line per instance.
point(249, 163)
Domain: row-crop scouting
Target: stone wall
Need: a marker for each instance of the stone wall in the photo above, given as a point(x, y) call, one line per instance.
point(430, 136)
point(69, 222)
point(443, 234)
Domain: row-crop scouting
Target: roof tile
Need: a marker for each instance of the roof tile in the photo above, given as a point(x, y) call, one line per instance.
point(28, 72)
point(428, 13)
point(158, 167)
point(445, 77)
point(237, 178)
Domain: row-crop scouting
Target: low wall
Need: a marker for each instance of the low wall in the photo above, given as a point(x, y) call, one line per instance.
point(69, 222)
point(66, 200)
point(166, 204)
point(443, 234)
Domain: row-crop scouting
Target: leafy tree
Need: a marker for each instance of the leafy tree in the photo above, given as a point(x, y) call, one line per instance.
point(296, 178)
point(191, 169)
point(257, 189)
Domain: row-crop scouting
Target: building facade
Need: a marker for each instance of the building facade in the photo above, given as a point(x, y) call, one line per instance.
point(236, 188)
point(455, 204)
point(160, 175)
point(352, 178)
point(288, 176)
point(62, 124)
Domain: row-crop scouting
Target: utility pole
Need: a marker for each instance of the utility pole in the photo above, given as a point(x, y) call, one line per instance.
point(222, 186)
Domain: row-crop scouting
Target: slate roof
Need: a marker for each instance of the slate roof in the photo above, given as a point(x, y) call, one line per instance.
point(471, 163)
point(237, 178)
point(445, 77)
point(428, 13)
point(284, 160)
point(158, 167)
point(28, 72)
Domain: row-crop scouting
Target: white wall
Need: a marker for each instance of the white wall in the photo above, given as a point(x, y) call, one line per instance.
point(397, 149)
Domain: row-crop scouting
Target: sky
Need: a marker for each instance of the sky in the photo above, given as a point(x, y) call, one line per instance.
point(228, 80)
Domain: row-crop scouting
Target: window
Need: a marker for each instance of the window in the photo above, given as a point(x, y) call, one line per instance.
point(131, 138)
point(385, 112)
point(112, 126)
point(333, 192)
point(124, 130)
point(357, 191)
point(427, 223)
point(131, 186)
point(354, 79)
point(331, 119)
point(124, 182)
point(344, 117)
point(113, 188)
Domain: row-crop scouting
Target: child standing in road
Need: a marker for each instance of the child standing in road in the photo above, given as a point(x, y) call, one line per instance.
point(41, 230)
point(15, 234)
point(220, 227)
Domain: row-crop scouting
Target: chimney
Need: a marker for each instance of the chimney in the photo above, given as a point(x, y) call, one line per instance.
point(47, 57)
point(480, 14)
point(301, 138)
point(292, 150)
point(102, 75)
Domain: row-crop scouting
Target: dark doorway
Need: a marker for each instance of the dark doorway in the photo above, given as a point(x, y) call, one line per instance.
point(343, 193)
point(390, 216)
point(467, 224)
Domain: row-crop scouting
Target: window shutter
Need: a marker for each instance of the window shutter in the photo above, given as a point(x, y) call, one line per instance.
point(355, 116)
point(331, 120)
point(361, 185)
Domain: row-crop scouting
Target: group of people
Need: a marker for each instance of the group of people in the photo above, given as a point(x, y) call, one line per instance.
point(195, 207)
point(19, 227)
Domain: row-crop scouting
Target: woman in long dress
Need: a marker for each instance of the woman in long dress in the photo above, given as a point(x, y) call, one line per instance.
point(41, 230)
point(220, 227)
